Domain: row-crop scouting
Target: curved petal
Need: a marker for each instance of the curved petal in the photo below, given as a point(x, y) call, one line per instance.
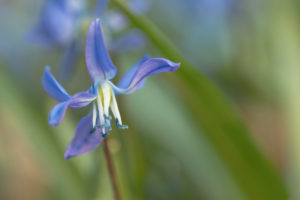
point(79, 100)
point(147, 68)
point(125, 81)
point(84, 141)
point(97, 59)
point(53, 88)
point(57, 113)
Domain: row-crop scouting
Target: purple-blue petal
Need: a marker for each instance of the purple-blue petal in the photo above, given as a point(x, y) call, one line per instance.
point(125, 81)
point(97, 59)
point(79, 100)
point(83, 141)
point(53, 88)
point(57, 113)
point(134, 79)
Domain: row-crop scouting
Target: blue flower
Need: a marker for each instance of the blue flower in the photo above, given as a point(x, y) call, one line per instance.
point(102, 94)
point(57, 23)
point(59, 26)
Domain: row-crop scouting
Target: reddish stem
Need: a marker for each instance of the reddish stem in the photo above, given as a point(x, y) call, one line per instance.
point(111, 170)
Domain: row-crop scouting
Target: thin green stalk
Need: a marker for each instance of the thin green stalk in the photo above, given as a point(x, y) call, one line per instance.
point(111, 170)
point(217, 117)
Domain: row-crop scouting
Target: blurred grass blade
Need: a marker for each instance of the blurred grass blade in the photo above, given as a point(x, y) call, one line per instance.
point(209, 106)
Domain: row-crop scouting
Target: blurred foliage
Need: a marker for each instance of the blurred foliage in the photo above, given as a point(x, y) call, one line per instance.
point(188, 132)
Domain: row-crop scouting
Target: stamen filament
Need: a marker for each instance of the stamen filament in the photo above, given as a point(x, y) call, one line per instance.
point(100, 113)
point(114, 108)
point(106, 91)
point(94, 118)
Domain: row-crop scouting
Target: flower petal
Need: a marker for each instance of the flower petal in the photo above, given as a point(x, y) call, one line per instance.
point(57, 113)
point(53, 88)
point(97, 59)
point(125, 81)
point(84, 141)
point(79, 100)
point(133, 81)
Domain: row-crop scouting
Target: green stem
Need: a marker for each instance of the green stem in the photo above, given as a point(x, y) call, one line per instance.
point(217, 118)
point(111, 170)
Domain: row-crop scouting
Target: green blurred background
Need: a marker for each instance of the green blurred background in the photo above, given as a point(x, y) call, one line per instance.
point(225, 126)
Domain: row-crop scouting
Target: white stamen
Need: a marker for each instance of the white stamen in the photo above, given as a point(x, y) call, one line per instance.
point(94, 117)
point(100, 112)
point(106, 89)
point(114, 108)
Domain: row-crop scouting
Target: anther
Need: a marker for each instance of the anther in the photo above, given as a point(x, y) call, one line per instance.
point(108, 117)
point(121, 126)
point(93, 130)
point(105, 134)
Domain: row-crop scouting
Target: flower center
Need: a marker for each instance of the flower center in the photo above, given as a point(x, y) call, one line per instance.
point(106, 99)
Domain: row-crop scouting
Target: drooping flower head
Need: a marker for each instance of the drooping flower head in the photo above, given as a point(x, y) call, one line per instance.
point(102, 94)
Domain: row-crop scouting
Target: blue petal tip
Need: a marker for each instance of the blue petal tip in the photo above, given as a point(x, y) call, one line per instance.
point(47, 68)
point(67, 156)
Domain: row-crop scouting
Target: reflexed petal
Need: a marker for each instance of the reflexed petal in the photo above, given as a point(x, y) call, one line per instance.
point(97, 59)
point(125, 81)
point(84, 141)
point(57, 113)
point(79, 100)
point(150, 67)
point(53, 88)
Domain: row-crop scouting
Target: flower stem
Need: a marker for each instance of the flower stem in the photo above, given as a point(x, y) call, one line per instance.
point(111, 170)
